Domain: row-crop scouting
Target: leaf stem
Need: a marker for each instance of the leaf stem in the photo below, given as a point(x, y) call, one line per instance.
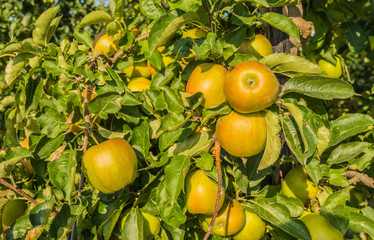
point(19, 191)
point(217, 153)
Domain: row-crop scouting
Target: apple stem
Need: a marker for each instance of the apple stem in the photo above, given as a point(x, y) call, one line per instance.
point(19, 191)
point(217, 153)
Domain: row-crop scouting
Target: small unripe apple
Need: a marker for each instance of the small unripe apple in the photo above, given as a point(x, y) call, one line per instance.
point(139, 84)
point(12, 210)
point(208, 78)
point(332, 71)
point(138, 69)
point(297, 184)
point(254, 228)
point(201, 193)
point(259, 46)
point(229, 221)
point(320, 228)
point(111, 165)
point(104, 43)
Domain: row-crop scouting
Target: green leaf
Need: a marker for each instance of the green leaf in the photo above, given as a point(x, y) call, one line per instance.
point(291, 65)
point(356, 37)
point(174, 104)
point(293, 137)
point(338, 217)
point(119, 9)
point(40, 214)
point(209, 47)
point(63, 222)
point(42, 25)
point(273, 142)
point(14, 67)
point(12, 158)
point(175, 172)
point(279, 215)
point(133, 226)
point(170, 212)
point(46, 146)
point(360, 223)
point(337, 198)
point(282, 23)
point(185, 5)
point(191, 146)
point(53, 27)
point(84, 37)
point(62, 172)
point(241, 15)
point(140, 138)
point(95, 17)
point(304, 119)
point(163, 77)
point(51, 123)
point(205, 161)
point(19, 229)
point(54, 68)
point(105, 104)
point(347, 151)
point(210, 113)
point(164, 29)
point(348, 126)
point(151, 9)
point(319, 87)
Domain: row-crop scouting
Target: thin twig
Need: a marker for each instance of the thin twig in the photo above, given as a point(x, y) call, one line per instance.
point(87, 132)
point(217, 152)
point(206, 6)
point(19, 191)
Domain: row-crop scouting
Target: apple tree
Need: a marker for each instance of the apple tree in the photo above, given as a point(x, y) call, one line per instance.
point(181, 120)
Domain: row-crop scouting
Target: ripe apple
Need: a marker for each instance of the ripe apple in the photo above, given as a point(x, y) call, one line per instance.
point(151, 224)
point(208, 78)
point(104, 43)
point(297, 184)
point(138, 69)
point(242, 135)
point(250, 87)
point(111, 165)
point(254, 228)
point(139, 84)
point(259, 46)
point(229, 221)
point(332, 71)
point(12, 210)
point(320, 228)
point(201, 193)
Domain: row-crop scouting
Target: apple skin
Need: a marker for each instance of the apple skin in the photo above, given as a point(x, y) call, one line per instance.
point(139, 84)
point(201, 193)
point(208, 78)
point(259, 46)
point(111, 165)
point(320, 228)
point(138, 69)
point(229, 221)
point(332, 71)
point(254, 228)
point(297, 184)
point(250, 87)
point(242, 135)
point(104, 43)
point(12, 210)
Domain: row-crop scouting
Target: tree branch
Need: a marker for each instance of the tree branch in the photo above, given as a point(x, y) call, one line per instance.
point(360, 177)
point(206, 6)
point(19, 191)
point(217, 152)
